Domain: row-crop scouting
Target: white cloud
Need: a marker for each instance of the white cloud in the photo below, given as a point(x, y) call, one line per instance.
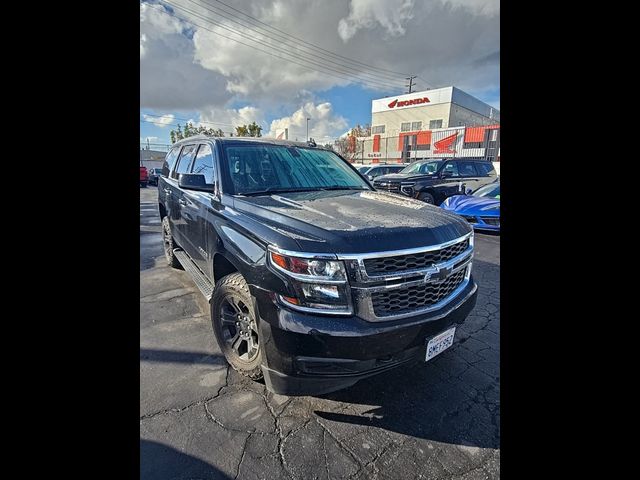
point(169, 78)
point(323, 124)
point(160, 121)
point(390, 14)
point(143, 39)
point(228, 119)
point(187, 68)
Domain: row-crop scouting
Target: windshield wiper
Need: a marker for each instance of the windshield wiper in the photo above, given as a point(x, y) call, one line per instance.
point(270, 190)
point(342, 188)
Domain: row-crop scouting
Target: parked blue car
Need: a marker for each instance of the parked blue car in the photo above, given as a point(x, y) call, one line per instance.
point(481, 208)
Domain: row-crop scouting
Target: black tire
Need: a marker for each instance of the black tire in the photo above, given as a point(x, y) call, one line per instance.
point(169, 244)
point(427, 198)
point(235, 326)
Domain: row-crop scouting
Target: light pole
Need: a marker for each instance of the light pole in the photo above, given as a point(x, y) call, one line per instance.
point(308, 128)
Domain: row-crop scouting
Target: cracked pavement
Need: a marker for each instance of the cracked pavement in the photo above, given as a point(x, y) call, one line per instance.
point(199, 419)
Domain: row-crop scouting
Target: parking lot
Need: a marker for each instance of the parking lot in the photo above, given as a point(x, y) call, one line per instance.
point(199, 419)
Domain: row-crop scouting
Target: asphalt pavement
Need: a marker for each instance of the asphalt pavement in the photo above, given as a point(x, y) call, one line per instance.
point(199, 419)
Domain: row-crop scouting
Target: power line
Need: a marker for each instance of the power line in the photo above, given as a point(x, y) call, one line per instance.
point(305, 58)
point(314, 50)
point(356, 80)
point(191, 120)
point(308, 43)
point(410, 82)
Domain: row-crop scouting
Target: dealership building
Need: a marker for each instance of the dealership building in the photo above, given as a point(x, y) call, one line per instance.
point(443, 122)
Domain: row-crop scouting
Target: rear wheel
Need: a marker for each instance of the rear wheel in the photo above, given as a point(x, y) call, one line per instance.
point(169, 244)
point(427, 198)
point(235, 326)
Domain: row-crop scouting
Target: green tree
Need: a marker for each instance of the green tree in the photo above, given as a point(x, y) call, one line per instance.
point(251, 130)
point(190, 130)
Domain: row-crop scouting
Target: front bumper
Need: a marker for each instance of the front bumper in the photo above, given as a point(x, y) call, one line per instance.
point(306, 354)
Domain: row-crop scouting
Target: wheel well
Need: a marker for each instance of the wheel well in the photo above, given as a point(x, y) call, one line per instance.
point(221, 267)
point(163, 211)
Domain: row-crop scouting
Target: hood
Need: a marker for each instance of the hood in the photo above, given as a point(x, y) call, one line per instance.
point(470, 205)
point(404, 177)
point(352, 221)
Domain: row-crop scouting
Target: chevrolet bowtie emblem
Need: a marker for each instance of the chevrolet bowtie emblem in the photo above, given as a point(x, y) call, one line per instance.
point(441, 273)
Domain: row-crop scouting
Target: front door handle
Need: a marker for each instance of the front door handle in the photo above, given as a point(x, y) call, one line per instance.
point(167, 191)
point(182, 201)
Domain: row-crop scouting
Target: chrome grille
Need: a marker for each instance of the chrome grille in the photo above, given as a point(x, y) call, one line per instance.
point(387, 186)
point(414, 261)
point(404, 300)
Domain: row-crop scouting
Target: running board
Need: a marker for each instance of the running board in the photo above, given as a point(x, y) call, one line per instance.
point(202, 282)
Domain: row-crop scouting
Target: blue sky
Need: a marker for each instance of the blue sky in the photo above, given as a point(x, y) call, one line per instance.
point(193, 72)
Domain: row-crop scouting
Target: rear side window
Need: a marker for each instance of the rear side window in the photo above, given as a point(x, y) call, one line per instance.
point(452, 168)
point(467, 169)
point(204, 163)
point(170, 161)
point(486, 169)
point(185, 160)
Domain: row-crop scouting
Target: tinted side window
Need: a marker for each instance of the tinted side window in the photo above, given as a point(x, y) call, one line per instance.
point(467, 169)
point(451, 167)
point(185, 160)
point(486, 169)
point(170, 161)
point(204, 163)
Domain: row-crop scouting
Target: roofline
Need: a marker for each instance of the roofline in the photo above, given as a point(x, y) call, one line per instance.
point(267, 140)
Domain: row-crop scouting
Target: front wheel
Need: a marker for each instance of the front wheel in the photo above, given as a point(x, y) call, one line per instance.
point(235, 326)
point(427, 198)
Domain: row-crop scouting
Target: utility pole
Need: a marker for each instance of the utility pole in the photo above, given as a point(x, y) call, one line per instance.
point(308, 128)
point(410, 82)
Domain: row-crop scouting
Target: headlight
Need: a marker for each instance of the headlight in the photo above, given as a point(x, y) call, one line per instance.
point(320, 284)
point(407, 188)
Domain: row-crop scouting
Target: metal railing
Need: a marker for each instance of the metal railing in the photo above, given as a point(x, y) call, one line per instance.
point(461, 141)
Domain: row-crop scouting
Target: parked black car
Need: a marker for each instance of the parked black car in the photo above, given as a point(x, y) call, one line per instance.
point(315, 280)
point(154, 173)
point(434, 180)
point(383, 169)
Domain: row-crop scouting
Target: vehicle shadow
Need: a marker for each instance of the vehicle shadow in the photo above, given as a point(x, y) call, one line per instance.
point(423, 405)
point(158, 461)
point(169, 356)
point(454, 398)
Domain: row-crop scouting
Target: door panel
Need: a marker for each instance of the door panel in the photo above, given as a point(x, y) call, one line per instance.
point(471, 179)
point(450, 185)
point(202, 208)
point(178, 223)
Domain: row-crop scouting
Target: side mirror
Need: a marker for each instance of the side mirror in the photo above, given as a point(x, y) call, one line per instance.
point(194, 181)
point(447, 174)
point(370, 177)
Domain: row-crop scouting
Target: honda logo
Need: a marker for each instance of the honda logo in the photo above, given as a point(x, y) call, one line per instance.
point(406, 103)
point(444, 145)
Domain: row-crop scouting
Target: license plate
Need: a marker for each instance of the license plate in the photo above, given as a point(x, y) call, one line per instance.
point(440, 343)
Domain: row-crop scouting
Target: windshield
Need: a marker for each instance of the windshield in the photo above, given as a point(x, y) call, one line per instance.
point(262, 169)
point(491, 191)
point(428, 168)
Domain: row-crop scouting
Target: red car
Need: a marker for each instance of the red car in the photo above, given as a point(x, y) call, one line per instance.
point(144, 176)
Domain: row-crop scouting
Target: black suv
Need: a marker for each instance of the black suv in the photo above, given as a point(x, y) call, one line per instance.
point(436, 179)
point(314, 279)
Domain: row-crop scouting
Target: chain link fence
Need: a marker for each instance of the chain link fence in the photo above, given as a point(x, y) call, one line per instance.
point(462, 141)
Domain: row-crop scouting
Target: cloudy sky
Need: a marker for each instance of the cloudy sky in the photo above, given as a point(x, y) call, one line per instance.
point(277, 62)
